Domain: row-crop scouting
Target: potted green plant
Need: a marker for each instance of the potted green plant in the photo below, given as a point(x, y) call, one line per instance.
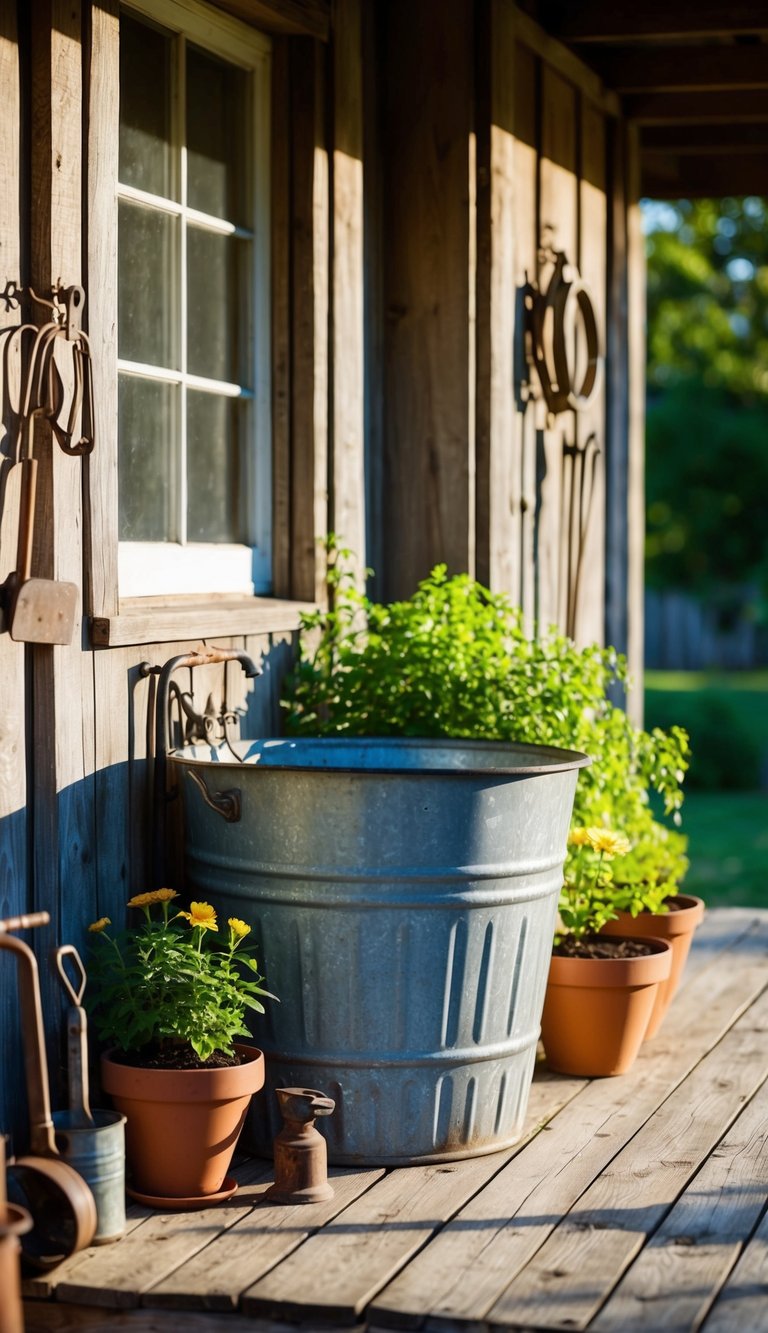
point(601, 989)
point(170, 997)
point(648, 902)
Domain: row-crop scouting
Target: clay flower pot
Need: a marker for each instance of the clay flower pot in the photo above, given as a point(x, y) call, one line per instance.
point(597, 1010)
point(182, 1125)
point(677, 926)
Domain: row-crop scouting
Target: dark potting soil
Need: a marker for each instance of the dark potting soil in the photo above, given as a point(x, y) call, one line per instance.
point(602, 946)
point(175, 1057)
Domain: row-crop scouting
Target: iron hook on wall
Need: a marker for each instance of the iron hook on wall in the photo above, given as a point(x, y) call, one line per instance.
point(551, 324)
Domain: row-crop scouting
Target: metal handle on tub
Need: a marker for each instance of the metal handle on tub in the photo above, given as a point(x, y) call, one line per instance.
point(202, 657)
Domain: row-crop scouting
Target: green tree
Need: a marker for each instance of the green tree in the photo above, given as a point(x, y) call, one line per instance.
point(707, 437)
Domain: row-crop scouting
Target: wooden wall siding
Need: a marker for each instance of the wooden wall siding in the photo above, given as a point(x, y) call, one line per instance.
point(309, 319)
point(100, 224)
point(14, 878)
point(347, 507)
point(427, 120)
point(506, 505)
point(636, 432)
point(62, 697)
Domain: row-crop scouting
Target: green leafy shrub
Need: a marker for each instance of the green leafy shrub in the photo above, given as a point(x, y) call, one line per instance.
point(727, 753)
point(165, 984)
point(454, 660)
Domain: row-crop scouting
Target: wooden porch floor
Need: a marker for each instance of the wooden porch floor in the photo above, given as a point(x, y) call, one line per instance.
point(635, 1203)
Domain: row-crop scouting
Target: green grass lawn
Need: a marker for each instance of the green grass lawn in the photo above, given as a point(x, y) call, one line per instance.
point(727, 717)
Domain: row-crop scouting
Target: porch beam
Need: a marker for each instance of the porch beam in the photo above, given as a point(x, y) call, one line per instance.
point(666, 177)
point(654, 20)
point(697, 108)
point(674, 69)
point(309, 18)
point(705, 140)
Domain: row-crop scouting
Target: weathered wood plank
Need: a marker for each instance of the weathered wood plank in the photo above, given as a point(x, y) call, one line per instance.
point(685, 68)
point(280, 255)
point(246, 1252)
point(567, 63)
point(742, 1302)
point(100, 221)
point(466, 1268)
point(635, 498)
point(617, 399)
point(497, 464)
point(309, 349)
point(348, 337)
point(558, 214)
point(310, 18)
point(529, 414)
point(585, 1256)
point(13, 775)
point(697, 108)
point(115, 1276)
point(427, 125)
point(141, 622)
point(50, 1317)
point(702, 177)
point(62, 718)
point(602, 21)
point(42, 1286)
point(337, 1272)
point(586, 572)
point(673, 1283)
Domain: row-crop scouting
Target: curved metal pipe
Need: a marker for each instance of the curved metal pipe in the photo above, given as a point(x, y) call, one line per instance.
point(208, 657)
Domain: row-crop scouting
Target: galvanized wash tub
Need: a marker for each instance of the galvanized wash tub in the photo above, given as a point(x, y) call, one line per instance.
point(403, 895)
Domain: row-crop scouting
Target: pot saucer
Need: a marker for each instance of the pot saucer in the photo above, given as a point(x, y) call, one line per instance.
point(178, 1205)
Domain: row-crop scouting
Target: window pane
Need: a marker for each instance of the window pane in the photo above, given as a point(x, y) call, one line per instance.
point(216, 293)
point(213, 468)
point(147, 426)
point(147, 246)
point(145, 108)
point(217, 138)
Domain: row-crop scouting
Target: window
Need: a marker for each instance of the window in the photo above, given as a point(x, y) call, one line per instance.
point(193, 302)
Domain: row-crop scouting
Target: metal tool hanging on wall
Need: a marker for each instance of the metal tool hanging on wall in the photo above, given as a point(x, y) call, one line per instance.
point(551, 317)
point(44, 610)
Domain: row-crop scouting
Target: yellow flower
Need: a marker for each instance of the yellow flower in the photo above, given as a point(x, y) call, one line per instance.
point(578, 837)
point(155, 896)
point(238, 927)
point(97, 926)
point(202, 915)
point(606, 841)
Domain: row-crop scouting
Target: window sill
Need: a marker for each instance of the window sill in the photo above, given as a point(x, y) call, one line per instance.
point(156, 620)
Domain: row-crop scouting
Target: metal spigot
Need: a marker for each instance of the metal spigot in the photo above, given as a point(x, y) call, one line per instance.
point(301, 1156)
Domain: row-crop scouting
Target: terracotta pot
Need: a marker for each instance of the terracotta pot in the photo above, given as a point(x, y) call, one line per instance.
point(678, 928)
point(182, 1124)
point(596, 1010)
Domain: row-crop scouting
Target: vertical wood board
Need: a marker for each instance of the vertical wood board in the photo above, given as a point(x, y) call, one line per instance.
point(347, 518)
point(100, 221)
point(427, 124)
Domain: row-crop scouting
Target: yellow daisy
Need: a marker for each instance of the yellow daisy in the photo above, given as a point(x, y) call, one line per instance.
point(606, 841)
point(155, 896)
point(578, 837)
point(238, 927)
point(97, 926)
point(202, 915)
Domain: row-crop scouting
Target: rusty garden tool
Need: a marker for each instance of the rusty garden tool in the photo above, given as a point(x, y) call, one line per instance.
point(301, 1157)
point(39, 610)
point(77, 1039)
point(61, 1204)
point(93, 1142)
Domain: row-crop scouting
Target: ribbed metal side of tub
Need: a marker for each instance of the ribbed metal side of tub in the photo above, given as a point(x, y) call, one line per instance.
point(405, 920)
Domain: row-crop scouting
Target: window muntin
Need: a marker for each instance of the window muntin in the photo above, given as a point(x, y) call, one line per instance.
point(193, 309)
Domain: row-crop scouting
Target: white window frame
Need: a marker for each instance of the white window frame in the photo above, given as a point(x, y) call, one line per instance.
point(170, 568)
